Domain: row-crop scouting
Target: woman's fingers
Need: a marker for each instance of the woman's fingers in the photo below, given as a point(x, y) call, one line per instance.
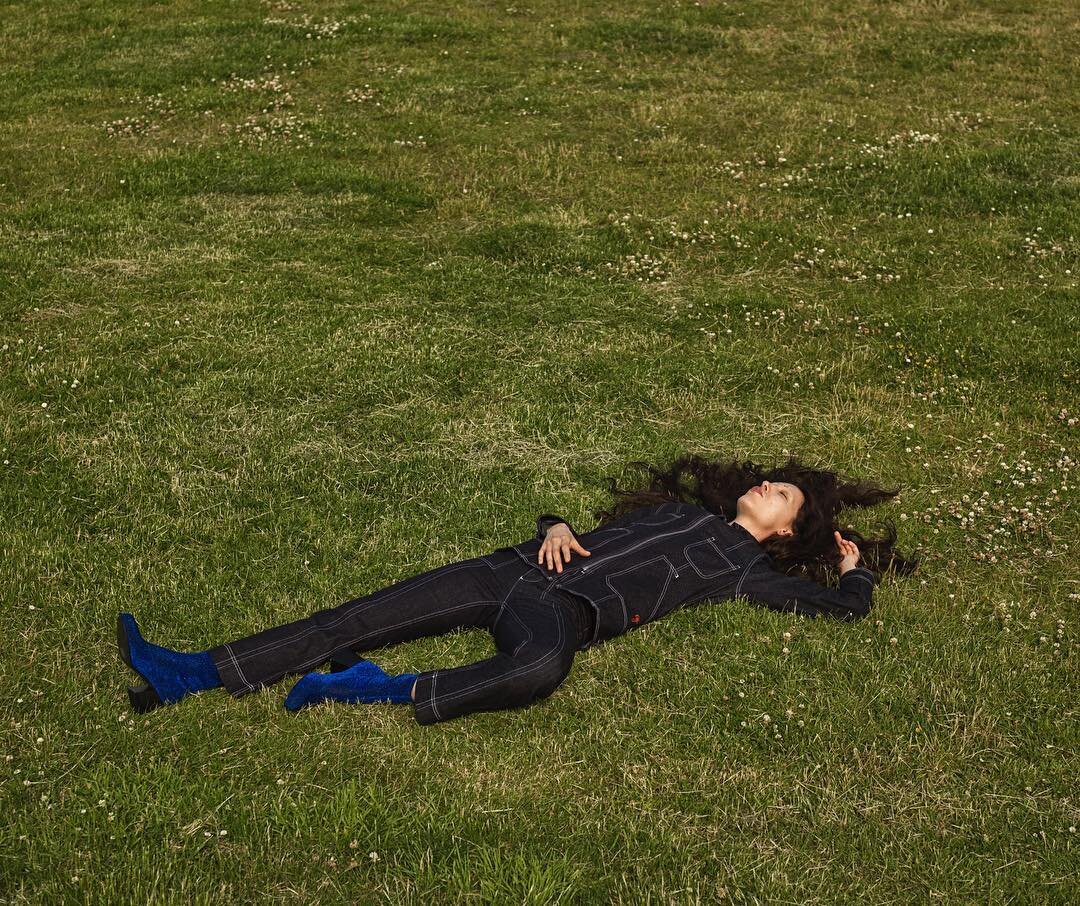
point(550, 550)
point(848, 549)
point(565, 551)
point(557, 551)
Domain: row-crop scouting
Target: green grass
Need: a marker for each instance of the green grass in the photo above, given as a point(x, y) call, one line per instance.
point(313, 364)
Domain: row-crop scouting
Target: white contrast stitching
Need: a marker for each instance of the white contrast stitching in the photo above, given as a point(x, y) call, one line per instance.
point(382, 599)
point(741, 543)
point(746, 572)
point(425, 616)
point(502, 605)
point(715, 549)
point(521, 623)
point(437, 613)
point(645, 543)
point(618, 594)
point(528, 668)
point(247, 683)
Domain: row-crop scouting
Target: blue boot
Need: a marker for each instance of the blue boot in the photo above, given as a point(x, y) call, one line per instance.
point(169, 675)
point(362, 682)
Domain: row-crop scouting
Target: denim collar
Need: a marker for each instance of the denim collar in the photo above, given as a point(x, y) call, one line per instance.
point(745, 532)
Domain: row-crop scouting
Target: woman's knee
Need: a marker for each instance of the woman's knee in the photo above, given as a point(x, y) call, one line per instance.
point(539, 680)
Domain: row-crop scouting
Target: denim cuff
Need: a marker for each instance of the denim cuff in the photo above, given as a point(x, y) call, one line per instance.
point(424, 709)
point(861, 569)
point(550, 519)
point(861, 579)
point(228, 668)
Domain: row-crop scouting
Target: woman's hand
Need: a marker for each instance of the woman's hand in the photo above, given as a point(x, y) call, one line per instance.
point(558, 542)
point(849, 553)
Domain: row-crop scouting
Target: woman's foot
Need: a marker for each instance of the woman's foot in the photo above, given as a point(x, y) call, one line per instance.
point(169, 675)
point(362, 682)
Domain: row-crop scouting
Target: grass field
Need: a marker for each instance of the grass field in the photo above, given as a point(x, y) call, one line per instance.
point(298, 299)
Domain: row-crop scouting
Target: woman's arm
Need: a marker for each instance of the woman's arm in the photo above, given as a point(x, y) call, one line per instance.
point(546, 521)
point(777, 591)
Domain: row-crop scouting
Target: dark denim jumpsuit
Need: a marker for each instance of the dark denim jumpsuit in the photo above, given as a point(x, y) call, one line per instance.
point(643, 566)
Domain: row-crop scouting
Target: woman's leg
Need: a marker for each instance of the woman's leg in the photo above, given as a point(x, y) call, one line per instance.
point(537, 641)
point(458, 595)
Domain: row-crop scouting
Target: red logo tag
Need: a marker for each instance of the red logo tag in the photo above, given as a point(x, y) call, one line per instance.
point(636, 618)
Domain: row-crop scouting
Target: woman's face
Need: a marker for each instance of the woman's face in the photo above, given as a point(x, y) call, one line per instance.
point(773, 505)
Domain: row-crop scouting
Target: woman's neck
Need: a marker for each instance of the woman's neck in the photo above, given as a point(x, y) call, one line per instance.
point(760, 535)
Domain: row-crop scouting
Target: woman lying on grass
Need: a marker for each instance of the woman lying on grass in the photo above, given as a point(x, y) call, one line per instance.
point(660, 549)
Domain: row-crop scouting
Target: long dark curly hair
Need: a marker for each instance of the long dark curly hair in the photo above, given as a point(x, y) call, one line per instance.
point(811, 551)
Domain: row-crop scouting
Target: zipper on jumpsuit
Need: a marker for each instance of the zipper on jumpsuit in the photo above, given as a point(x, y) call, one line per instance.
point(556, 583)
point(592, 563)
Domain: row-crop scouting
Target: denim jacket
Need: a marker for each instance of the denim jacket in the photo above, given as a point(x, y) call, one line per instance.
point(658, 559)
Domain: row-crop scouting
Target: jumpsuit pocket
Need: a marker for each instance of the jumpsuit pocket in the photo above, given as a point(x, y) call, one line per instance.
point(708, 559)
point(642, 590)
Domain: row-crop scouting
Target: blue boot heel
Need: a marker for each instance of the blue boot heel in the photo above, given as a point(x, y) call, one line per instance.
point(143, 698)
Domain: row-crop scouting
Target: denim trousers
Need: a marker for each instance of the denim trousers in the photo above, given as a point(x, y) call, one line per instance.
point(537, 631)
